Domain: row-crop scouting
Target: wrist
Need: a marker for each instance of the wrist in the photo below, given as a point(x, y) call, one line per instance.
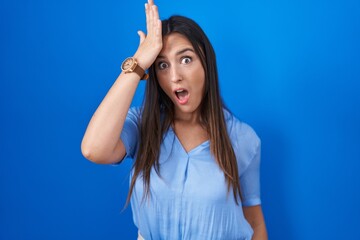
point(140, 61)
point(131, 65)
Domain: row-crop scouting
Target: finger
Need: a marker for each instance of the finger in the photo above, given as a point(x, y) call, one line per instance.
point(159, 29)
point(142, 36)
point(155, 11)
point(151, 21)
point(147, 13)
point(149, 5)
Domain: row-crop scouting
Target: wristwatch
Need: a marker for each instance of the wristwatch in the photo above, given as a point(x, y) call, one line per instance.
point(130, 65)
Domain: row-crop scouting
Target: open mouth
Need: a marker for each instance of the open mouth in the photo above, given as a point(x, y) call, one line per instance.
point(182, 95)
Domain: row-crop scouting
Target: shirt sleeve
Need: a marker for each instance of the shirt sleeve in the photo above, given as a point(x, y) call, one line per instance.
point(250, 181)
point(130, 132)
point(247, 148)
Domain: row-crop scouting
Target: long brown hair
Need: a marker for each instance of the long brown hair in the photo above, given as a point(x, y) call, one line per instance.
point(157, 103)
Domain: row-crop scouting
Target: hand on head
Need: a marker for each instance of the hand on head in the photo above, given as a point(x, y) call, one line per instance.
point(150, 44)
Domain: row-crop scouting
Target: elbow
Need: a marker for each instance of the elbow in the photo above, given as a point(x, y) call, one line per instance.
point(88, 153)
point(93, 155)
point(103, 153)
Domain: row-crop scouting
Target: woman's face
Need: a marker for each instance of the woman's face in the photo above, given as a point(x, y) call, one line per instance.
point(181, 75)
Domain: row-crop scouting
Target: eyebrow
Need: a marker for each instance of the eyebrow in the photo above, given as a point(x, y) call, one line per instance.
point(179, 52)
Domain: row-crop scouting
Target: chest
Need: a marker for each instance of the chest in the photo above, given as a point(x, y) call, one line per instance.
point(190, 136)
point(192, 174)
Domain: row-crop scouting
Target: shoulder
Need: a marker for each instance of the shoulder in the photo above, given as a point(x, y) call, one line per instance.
point(135, 111)
point(133, 117)
point(244, 140)
point(134, 114)
point(240, 130)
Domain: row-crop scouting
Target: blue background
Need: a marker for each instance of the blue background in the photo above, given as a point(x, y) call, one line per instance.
point(291, 69)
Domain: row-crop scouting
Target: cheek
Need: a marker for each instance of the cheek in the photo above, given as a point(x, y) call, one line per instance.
point(200, 81)
point(164, 84)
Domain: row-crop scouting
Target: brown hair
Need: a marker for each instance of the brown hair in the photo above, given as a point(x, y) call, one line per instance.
point(157, 103)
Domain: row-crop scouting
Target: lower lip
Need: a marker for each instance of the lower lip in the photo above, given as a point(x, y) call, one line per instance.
point(184, 100)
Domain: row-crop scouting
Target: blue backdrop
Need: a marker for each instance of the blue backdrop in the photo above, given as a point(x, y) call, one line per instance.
point(291, 69)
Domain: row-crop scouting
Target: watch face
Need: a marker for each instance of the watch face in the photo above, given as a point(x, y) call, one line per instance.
point(127, 64)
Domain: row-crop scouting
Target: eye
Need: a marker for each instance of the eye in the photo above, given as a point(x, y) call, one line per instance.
point(186, 60)
point(162, 65)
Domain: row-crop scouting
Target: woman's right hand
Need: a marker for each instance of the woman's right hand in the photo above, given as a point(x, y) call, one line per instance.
point(150, 44)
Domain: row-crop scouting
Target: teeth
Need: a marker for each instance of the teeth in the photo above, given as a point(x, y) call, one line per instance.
point(179, 91)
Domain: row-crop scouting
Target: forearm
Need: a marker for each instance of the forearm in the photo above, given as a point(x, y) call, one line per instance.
point(260, 232)
point(105, 126)
point(255, 218)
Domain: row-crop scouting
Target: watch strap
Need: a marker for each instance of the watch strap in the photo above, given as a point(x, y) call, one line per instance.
point(141, 72)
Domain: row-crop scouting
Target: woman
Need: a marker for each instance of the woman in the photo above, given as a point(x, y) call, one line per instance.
point(196, 169)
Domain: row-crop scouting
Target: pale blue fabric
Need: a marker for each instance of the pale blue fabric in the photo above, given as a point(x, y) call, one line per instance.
point(189, 200)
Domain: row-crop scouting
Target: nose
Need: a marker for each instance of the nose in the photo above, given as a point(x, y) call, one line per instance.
point(175, 74)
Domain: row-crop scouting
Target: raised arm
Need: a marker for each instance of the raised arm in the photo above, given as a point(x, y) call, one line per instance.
point(101, 142)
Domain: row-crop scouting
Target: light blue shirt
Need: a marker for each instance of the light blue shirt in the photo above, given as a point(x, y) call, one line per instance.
point(189, 200)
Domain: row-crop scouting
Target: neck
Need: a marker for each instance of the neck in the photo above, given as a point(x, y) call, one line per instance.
point(189, 118)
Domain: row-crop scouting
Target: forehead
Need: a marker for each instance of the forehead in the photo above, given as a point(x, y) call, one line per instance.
point(174, 42)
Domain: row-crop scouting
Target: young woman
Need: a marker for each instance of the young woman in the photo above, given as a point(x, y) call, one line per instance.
point(196, 168)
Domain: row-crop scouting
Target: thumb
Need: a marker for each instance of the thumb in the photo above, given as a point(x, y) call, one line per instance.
point(142, 36)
